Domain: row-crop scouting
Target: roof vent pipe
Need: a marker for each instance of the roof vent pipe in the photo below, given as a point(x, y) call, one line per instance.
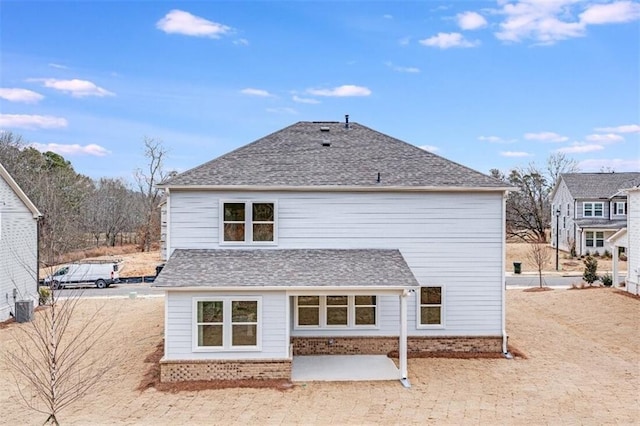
point(346, 121)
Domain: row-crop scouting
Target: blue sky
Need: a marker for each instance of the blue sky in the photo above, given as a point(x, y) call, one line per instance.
point(493, 84)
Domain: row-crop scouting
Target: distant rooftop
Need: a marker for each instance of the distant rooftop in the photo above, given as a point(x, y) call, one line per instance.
point(599, 185)
point(327, 153)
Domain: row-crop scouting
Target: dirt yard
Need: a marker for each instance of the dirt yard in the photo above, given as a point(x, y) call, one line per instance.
point(582, 368)
point(517, 252)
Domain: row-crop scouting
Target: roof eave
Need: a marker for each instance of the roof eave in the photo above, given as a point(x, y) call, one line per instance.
point(340, 188)
point(20, 193)
point(351, 289)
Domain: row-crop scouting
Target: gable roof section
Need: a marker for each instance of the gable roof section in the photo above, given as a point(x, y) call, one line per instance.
point(19, 192)
point(272, 268)
point(599, 185)
point(327, 154)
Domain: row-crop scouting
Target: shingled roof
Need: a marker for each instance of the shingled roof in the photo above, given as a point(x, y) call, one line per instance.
point(308, 154)
point(599, 185)
point(286, 268)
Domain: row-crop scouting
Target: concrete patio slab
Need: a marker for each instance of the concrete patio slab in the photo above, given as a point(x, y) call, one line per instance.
point(337, 368)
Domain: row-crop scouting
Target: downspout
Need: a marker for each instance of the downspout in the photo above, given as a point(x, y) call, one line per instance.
point(505, 350)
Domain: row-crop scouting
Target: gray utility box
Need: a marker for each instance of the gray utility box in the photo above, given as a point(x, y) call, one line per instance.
point(24, 310)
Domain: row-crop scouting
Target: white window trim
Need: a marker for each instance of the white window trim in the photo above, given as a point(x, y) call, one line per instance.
point(593, 208)
point(442, 324)
point(351, 315)
point(248, 223)
point(615, 208)
point(226, 325)
point(594, 238)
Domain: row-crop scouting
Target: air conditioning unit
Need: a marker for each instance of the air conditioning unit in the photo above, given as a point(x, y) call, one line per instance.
point(24, 310)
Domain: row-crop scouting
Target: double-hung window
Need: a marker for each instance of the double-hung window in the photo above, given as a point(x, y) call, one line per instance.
point(248, 222)
point(594, 238)
point(340, 311)
point(227, 323)
point(594, 209)
point(620, 208)
point(430, 307)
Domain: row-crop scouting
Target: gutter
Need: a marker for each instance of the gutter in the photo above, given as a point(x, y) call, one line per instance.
point(337, 188)
point(505, 350)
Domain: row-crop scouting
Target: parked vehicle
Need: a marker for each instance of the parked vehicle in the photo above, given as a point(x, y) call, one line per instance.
point(101, 273)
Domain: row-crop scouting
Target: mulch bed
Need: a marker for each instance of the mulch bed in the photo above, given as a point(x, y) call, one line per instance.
point(537, 289)
point(151, 379)
point(626, 293)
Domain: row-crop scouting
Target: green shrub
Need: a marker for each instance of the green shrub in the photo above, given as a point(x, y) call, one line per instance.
point(623, 257)
point(606, 279)
point(596, 254)
point(606, 254)
point(590, 274)
point(44, 295)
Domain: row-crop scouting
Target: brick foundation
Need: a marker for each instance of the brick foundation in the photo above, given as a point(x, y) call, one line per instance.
point(384, 345)
point(191, 370)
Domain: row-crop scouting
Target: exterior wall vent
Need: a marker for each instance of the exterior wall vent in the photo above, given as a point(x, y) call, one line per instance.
point(326, 143)
point(324, 129)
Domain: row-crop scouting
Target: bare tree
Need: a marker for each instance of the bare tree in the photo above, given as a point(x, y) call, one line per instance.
point(147, 179)
point(557, 164)
point(56, 361)
point(107, 209)
point(538, 255)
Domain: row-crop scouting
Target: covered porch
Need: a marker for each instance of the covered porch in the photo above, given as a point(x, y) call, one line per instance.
point(338, 368)
point(617, 241)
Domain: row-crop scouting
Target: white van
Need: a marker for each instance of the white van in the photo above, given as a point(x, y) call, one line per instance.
point(102, 273)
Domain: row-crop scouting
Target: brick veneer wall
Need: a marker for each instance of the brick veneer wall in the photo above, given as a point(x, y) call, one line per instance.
point(384, 345)
point(190, 370)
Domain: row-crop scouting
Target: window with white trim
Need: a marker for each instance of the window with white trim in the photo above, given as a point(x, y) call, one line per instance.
point(568, 209)
point(430, 306)
point(620, 208)
point(594, 238)
point(248, 222)
point(340, 311)
point(227, 323)
point(594, 209)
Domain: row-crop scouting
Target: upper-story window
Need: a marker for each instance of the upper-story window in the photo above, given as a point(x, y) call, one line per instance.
point(594, 209)
point(568, 209)
point(620, 208)
point(248, 222)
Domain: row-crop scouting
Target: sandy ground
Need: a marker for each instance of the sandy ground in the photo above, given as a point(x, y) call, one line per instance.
point(582, 368)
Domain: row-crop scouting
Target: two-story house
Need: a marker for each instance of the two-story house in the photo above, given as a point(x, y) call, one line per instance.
point(328, 238)
point(18, 246)
point(588, 208)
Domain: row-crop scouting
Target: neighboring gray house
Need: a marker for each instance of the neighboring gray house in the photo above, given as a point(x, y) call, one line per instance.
point(588, 209)
point(328, 238)
point(18, 246)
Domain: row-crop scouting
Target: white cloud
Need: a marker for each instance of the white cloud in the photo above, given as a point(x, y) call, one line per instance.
point(72, 149)
point(604, 138)
point(627, 128)
point(24, 121)
point(58, 66)
point(20, 95)
point(471, 21)
point(617, 164)
point(429, 148)
point(545, 21)
point(282, 110)
point(549, 21)
point(181, 22)
point(341, 91)
point(410, 70)
point(241, 42)
point(611, 13)
point(256, 92)
point(76, 88)
point(448, 40)
point(495, 139)
point(545, 137)
point(580, 148)
point(300, 100)
point(515, 154)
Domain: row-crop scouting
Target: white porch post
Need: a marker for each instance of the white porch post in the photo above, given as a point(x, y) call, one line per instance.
point(615, 266)
point(402, 344)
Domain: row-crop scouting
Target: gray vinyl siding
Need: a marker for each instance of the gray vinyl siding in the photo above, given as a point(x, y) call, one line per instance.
point(180, 320)
point(18, 251)
point(449, 239)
